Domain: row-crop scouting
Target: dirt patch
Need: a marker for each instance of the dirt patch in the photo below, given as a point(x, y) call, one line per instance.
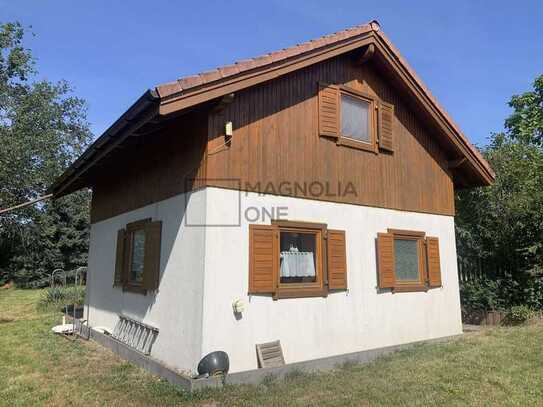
point(7, 286)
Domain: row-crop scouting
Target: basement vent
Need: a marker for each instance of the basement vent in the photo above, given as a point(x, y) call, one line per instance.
point(270, 354)
point(135, 334)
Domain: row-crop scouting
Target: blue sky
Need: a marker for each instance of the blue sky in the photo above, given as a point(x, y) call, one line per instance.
point(473, 55)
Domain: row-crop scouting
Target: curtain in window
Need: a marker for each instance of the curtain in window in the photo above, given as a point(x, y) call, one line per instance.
point(297, 264)
point(407, 260)
point(354, 118)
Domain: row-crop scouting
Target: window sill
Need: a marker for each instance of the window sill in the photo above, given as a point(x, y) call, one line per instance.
point(359, 145)
point(299, 293)
point(134, 289)
point(409, 288)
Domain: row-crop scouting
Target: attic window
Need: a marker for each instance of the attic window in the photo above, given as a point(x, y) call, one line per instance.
point(355, 118)
point(349, 116)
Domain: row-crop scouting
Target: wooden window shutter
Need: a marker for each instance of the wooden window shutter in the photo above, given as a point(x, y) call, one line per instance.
point(263, 258)
point(386, 125)
point(385, 260)
point(151, 261)
point(120, 259)
point(433, 261)
point(328, 110)
point(337, 260)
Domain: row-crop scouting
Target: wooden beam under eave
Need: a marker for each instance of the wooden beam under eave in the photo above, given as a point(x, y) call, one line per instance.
point(366, 55)
point(223, 102)
point(144, 131)
point(456, 163)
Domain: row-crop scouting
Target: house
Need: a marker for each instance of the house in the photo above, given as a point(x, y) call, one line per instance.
point(312, 188)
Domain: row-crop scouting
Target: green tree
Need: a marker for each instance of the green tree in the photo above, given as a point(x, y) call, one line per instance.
point(43, 128)
point(526, 122)
point(503, 224)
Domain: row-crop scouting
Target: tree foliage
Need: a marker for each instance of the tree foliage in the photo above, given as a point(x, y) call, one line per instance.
point(526, 122)
point(503, 224)
point(43, 128)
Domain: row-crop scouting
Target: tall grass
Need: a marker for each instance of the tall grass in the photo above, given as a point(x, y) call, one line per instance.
point(54, 298)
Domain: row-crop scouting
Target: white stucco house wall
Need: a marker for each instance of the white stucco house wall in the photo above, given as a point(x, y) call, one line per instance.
point(204, 270)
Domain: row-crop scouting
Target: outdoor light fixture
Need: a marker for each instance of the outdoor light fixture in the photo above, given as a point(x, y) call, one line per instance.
point(238, 306)
point(228, 132)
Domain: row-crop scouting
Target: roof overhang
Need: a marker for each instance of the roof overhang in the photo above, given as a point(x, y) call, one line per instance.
point(141, 112)
point(173, 98)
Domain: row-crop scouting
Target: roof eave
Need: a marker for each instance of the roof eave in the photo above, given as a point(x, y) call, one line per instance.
point(114, 134)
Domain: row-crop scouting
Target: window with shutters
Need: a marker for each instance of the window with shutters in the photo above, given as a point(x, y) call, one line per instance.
point(408, 261)
point(355, 119)
point(137, 266)
point(296, 259)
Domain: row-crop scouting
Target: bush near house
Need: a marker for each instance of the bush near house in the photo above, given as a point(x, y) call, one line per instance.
point(519, 303)
point(520, 314)
point(501, 294)
point(55, 298)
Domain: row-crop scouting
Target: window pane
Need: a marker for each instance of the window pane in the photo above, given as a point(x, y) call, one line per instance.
point(355, 118)
point(407, 260)
point(297, 257)
point(138, 254)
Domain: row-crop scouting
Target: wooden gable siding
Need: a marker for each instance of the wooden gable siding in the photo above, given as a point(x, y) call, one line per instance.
point(152, 168)
point(276, 143)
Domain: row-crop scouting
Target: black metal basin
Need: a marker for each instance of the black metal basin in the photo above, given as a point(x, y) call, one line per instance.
point(214, 363)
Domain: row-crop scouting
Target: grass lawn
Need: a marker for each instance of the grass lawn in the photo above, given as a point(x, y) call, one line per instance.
point(502, 366)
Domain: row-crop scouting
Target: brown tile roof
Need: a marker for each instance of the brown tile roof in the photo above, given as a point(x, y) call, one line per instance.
point(168, 89)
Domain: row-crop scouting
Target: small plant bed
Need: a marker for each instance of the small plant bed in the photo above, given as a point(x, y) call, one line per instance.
point(58, 298)
point(496, 366)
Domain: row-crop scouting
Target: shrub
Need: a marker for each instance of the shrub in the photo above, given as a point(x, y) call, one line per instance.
point(501, 293)
point(519, 314)
point(58, 297)
point(480, 295)
point(533, 293)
